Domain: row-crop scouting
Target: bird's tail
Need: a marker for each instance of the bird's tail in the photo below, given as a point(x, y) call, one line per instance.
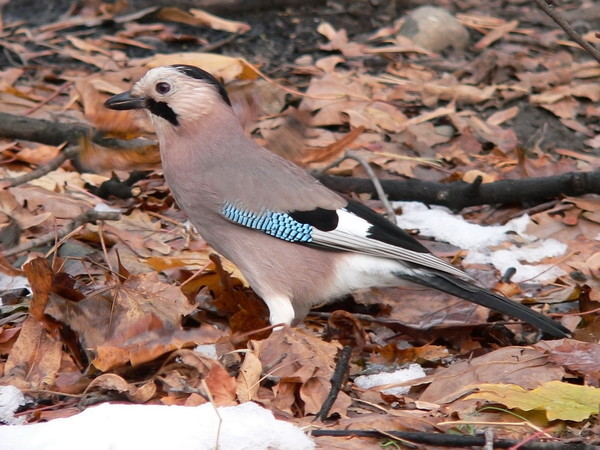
point(484, 297)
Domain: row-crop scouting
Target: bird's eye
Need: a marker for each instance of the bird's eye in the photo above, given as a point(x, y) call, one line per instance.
point(163, 88)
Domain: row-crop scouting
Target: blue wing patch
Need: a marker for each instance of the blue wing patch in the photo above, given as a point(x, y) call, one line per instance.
point(279, 225)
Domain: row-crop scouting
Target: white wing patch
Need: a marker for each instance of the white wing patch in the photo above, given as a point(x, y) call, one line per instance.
point(352, 234)
point(352, 224)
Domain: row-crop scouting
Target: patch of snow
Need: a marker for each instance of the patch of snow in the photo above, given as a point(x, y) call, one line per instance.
point(439, 223)
point(413, 372)
point(513, 257)
point(10, 400)
point(208, 350)
point(8, 283)
point(103, 207)
point(158, 427)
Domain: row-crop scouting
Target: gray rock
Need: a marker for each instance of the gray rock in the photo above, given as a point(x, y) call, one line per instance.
point(435, 29)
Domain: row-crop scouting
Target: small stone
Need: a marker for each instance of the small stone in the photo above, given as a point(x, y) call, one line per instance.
point(445, 130)
point(435, 29)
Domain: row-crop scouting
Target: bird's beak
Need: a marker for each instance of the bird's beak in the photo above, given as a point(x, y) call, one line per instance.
point(125, 100)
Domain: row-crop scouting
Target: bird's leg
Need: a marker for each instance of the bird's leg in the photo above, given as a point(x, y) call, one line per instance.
point(281, 310)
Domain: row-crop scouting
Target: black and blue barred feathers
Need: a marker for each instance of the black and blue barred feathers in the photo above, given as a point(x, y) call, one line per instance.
point(279, 225)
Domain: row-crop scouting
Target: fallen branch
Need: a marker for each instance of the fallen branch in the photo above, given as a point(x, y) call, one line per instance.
point(337, 380)
point(455, 195)
point(449, 440)
point(89, 216)
point(56, 133)
point(459, 194)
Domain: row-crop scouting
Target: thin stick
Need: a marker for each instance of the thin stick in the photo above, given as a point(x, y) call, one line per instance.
point(561, 21)
point(104, 249)
point(525, 423)
point(58, 242)
point(389, 211)
point(66, 154)
point(197, 273)
point(212, 402)
point(405, 442)
point(337, 379)
point(87, 217)
point(218, 44)
point(51, 97)
point(439, 439)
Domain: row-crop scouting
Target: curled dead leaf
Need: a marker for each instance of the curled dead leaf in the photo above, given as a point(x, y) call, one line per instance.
point(248, 380)
point(40, 275)
point(113, 382)
point(35, 358)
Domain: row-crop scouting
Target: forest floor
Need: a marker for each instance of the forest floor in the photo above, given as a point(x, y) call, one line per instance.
point(97, 233)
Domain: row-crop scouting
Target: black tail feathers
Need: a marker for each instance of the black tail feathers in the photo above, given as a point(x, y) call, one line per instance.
point(481, 296)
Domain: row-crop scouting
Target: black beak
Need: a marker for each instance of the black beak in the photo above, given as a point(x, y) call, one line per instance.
point(125, 100)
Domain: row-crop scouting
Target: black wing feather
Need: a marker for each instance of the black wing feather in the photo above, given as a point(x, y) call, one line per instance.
point(320, 218)
point(381, 229)
point(385, 231)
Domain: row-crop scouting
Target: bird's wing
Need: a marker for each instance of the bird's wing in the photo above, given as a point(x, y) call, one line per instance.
point(258, 178)
point(357, 228)
point(279, 198)
point(354, 228)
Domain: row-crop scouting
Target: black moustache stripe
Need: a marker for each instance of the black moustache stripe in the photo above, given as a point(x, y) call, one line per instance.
point(161, 109)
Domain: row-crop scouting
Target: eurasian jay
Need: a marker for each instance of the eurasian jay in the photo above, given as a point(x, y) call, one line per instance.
point(298, 243)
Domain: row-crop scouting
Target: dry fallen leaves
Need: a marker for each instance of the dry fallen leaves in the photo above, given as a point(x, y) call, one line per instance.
point(407, 114)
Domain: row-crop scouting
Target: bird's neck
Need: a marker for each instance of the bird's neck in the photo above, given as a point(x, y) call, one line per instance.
point(194, 145)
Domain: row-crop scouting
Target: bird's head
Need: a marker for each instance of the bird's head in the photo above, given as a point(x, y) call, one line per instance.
point(175, 94)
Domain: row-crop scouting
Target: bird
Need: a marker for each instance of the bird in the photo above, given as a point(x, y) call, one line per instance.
point(298, 243)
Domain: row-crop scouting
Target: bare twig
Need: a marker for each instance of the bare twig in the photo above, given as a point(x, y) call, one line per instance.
point(479, 423)
point(214, 405)
point(51, 97)
point(337, 379)
point(406, 443)
point(561, 21)
point(389, 211)
point(220, 43)
point(86, 217)
point(66, 154)
point(56, 133)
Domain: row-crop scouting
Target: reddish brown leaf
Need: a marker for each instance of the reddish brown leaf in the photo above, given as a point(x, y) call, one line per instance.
point(35, 358)
point(248, 380)
point(347, 330)
point(40, 275)
point(133, 392)
point(579, 357)
point(221, 385)
point(524, 366)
